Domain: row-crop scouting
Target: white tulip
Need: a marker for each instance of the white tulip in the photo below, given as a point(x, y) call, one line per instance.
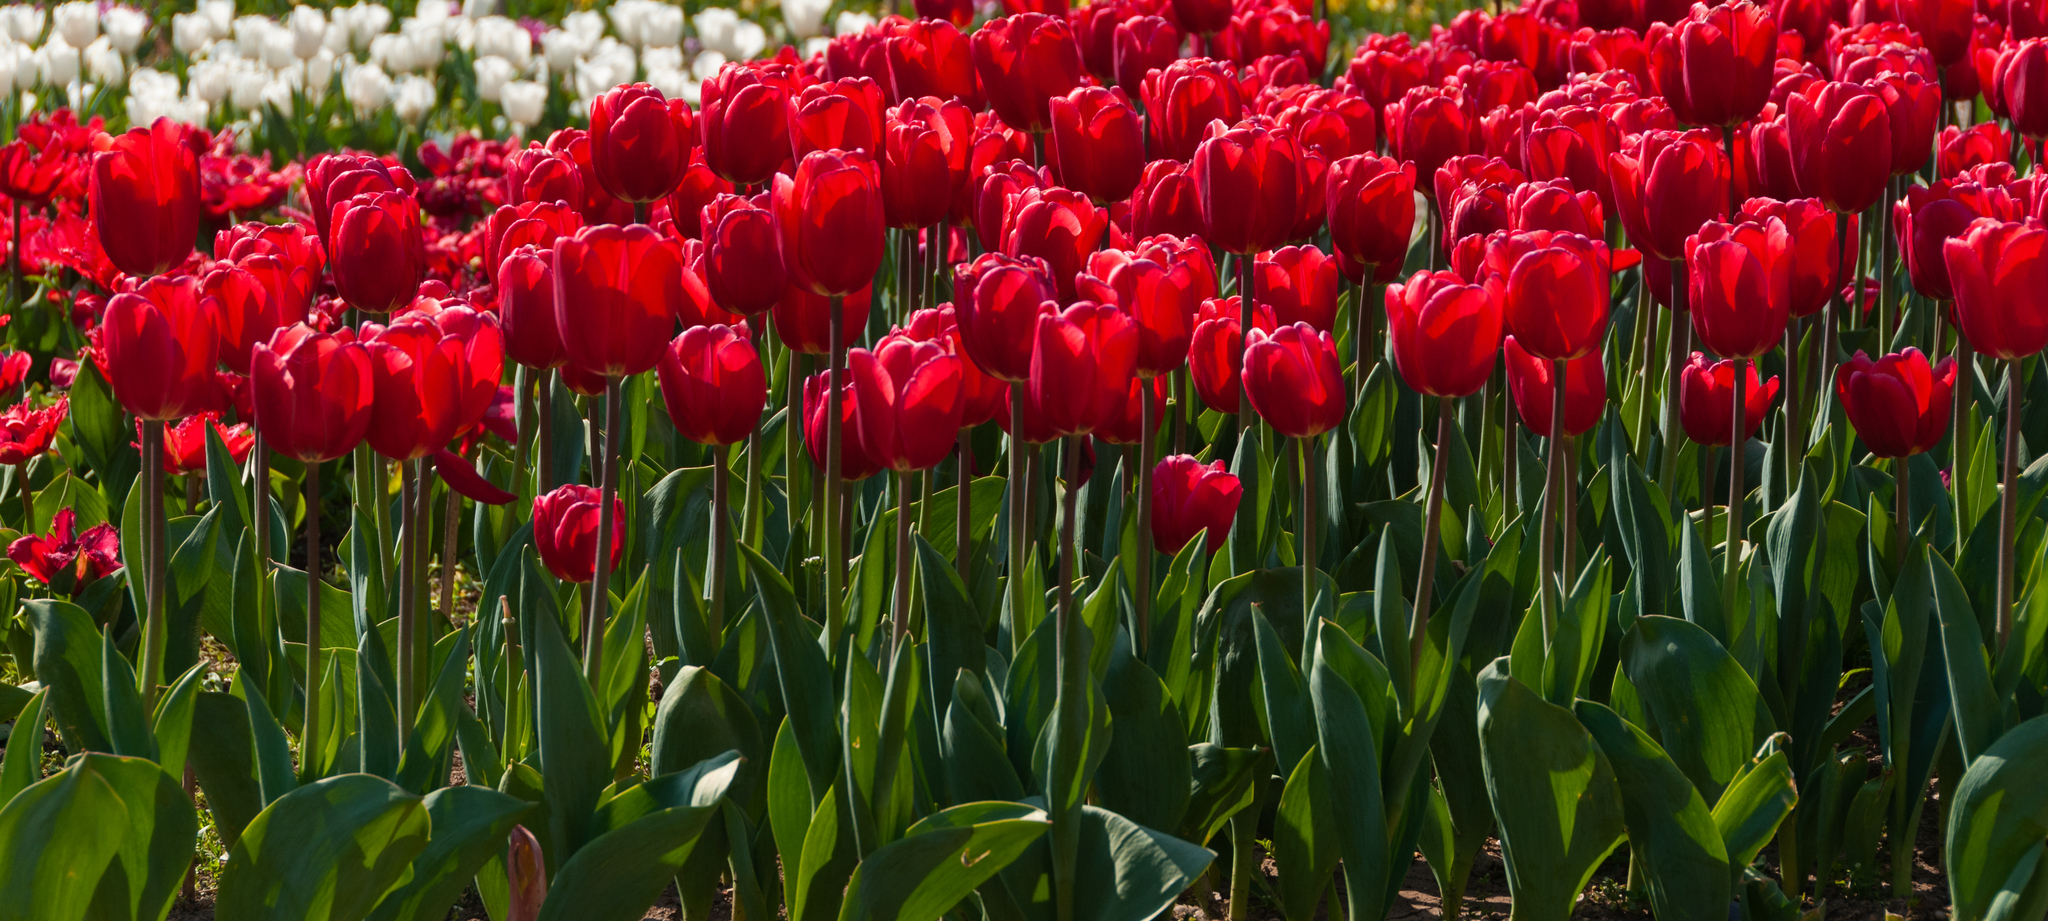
point(593, 78)
point(209, 80)
point(492, 73)
point(279, 49)
point(805, 18)
point(245, 88)
point(707, 65)
point(849, 22)
point(76, 93)
point(57, 62)
point(316, 74)
point(367, 89)
point(366, 22)
point(715, 26)
point(104, 63)
point(625, 16)
point(662, 27)
point(219, 12)
point(664, 58)
point(23, 22)
point(190, 32)
point(124, 27)
point(309, 31)
point(749, 40)
point(78, 21)
point(413, 99)
point(11, 58)
point(391, 51)
point(478, 9)
point(523, 101)
point(278, 95)
point(250, 31)
point(496, 35)
point(671, 82)
point(560, 48)
point(429, 41)
point(815, 45)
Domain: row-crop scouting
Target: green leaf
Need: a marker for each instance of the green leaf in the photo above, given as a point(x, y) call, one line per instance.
point(1685, 863)
point(1305, 839)
point(1123, 870)
point(644, 836)
point(1980, 718)
point(67, 662)
point(1753, 807)
point(800, 666)
point(1145, 776)
point(940, 861)
point(224, 762)
point(423, 766)
point(574, 754)
point(701, 717)
point(327, 851)
point(1709, 711)
point(140, 844)
point(1996, 866)
point(22, 764)
point(1222, 787)
point(171, 725)
point(1345, 740)
point(469, 828)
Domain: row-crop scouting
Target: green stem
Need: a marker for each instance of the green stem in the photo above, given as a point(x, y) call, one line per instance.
point(1731, 591)
point(835, 548)
point(309, 739)
point(600, 600)
point(2008, 503)
point(1418, 637)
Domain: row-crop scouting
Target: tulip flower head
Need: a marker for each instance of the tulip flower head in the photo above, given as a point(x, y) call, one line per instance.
point(312, 391)
point(831, 217)
point(161, 348)
point(379, 251)
point(618, 293)
point(1082, 363)
point(640, 141)
point(1445, 332)
point(1190, 497)
point(1371, 211)
point(185, 443)
point(145, 196)
point(1706, 400)
point(435, 376)
point(911, 398)
point(26, 431)
point(1531, 381)
point(1999, 271)
point(1740, 286)
point(64, 559)
point(565, 524)
point(1898, 403)
point(1294, 381)
point(713, 384)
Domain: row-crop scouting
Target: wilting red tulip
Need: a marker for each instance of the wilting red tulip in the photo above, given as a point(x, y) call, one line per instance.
point(1555, 290)
point(1161, 297)
point(1189, 497)
point(1294, 381)
point(565, 524)
point(1740, 286)
point(1899, 405)
point(1371, 203)
point(618, 292)
point(640, 141)
point(2023, 85)
point(1166, 202)
point(1530, 382)
point(244, 309)
point(1962, 148)
point(1024, 61)
point(854, 462)
point(743, 254)
point(538, 174)
point(745, 122)
point(65, 560)
point(161, 348)
point(930, 57)
point(1706, 400)
point(1096, 143)
point(1430, 125)
point(831, 217)
point(435, 375)
point(1715, 66)
point(26, 431)
point(1666, 184)
point(1082, 363)
point(1247, 181)
point(526, 308)
point(1183, 98)
point(911, 398)
point(185, 442)
point(1841, 140)
point(313, 392)
point(841, 115)
point(712, 381)
point(1446, 334)
point(1057, 225)
point(379, 252)
point(803, 321)
point(997, 300)
point(145, 196)
point(1815, 254)
point(1141, 45)
point(2000, 275)
point(1300, 284)
point(924, 160)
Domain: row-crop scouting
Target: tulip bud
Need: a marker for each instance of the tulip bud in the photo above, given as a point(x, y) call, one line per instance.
point(1445, 333)
point(743, 269)
point(1706, 400)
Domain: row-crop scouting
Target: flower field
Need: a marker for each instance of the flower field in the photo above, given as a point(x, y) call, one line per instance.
point(1012, 462)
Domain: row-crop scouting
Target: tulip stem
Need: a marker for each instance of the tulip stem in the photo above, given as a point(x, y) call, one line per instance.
point(1731, 592)
point(756, 506)
point(408, 620)
point(1141, 593)
point(1959, 428)
point(14, 259)
point(1885, 258)
point(28, 499)
point(1070, 463)
point(1180, 410)
point(900, 609)
point(1795, 440)
point(600, 600)
point(1305, 521)
point(721, 534)
point(1647, 317)
point(963, 507)
point(451, 516)
point(835, 553)
point(545, 443)
point(792, 448)
point(1418, 636)
point(259, 457)
point(1844, 267)
point(1546, 545)
point(2008, 502)
point(1020, 624)
point(153, 558)
point(1902, 510)
point(1247, 306)
point(1510, 453)
point(1674, 370)
point(309, 739)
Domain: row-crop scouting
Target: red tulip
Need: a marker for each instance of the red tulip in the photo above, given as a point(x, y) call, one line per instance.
point(1189, 498)
point(743, 269)
point(994, 188)
point(1913, 104)
point(803, 320)
point(1739, 286)
point(697, 187)
point(1962, 148)
point(697, 308)
point(1430, 125)
point(854, 462)
point(32, 176)
point(930, 57)
point(1024, 60)
point(953, 12)
point(924, 160)
point(1294, 381)
point(1924, 221)
point(843, 115)
point(379, 252)
point(1057, 225)
point(14, 369)
point(1371, 207)
point(1899, 405)
point(565, 524)
point(1161, 297)
point(335, 178)
point(618, 293)
point(1202, 17)
point(1706, 400)
point(911, 399)
point(713, 384)
point(1332, 123)
point(161, 348)
point(1944, 25)
point(145, 196)
point(1166, 202)
point(291, 242)
point(639, 141)
point(1385, 68)
point(185, 443)
point(831, 217)
point(26, 431)
point(1214, 351)
point(533, 223)
point(598, 206)
point(538, 174)
point(1300, 284)
point(997, 300)
point(1841, 142)
point(1141, 45)
point(1183, 98)
point(65, 560)
point(745, 122)
point(1555, 205)
point(1815, 265)
point(1666, 184)
point(1082, 363)
point(246, 310)
point(1446, 333)
point(1248, 182)
point(1096, 143)
point(1715, 67)
point(1472, 192)
point(313, 392)
point(526, 308)
point(2023, 84)
point(983, 397)
point(1555, 290)
point(1573, 144)
point(2000, 275)
point(1530, 381)
point(1124, 425)
point(435, 376)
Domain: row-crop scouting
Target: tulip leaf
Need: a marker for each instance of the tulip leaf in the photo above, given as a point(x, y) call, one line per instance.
point(1753, 807)
point(801, 668)
point(971, 749)
point(1145, 775)
point(22, 764)
point(1222, 787)
point(575, 755)
point(940, 861)
point(953, 626)
point(1711, 712)
point(1684, 860)
point(224, 762)
point(1979, 716)
point(130, 866)
point(67, 661)
point(423, 766)
point(1123, 871)
point(1290, 716)
point(103, 434)
point(1347, 740)
point(1305, 839)
point(469, 826)
point(327, 851)
point(1997, 866)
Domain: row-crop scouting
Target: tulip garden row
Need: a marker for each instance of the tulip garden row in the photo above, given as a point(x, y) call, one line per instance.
point(961, 474)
